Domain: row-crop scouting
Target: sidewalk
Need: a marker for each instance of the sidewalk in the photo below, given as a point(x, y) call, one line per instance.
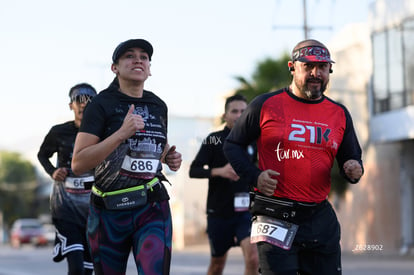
point(377, 264)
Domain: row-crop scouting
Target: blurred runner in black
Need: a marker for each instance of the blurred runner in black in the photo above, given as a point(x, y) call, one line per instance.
point(228, 218)
point(299, 132)
point(69, 201)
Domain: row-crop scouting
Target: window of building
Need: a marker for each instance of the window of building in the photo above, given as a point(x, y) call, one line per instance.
point(380, 72)
point(393, 60)
point(408, 47)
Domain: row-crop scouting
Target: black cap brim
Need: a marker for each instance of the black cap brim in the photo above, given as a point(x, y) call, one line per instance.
point(132, 43)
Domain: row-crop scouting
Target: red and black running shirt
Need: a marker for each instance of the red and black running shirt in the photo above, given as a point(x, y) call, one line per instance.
point(300, 139)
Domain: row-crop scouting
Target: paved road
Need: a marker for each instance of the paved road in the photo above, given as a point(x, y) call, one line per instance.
point(194, 261)
point(353, 264)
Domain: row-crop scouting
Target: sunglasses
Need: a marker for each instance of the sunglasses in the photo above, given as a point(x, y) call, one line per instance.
point(82, 99)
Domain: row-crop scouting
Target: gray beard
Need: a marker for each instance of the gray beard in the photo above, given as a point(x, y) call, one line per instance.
point(313, 95)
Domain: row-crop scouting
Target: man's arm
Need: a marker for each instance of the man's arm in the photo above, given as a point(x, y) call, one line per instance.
point(200, 168)
point(349, 153)
point(240, 161)
point(46, 151)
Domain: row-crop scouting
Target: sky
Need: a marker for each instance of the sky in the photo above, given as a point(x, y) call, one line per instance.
point(48, 46)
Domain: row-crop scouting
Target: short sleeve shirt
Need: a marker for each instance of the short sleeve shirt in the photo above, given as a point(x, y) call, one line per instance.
point(137, 160)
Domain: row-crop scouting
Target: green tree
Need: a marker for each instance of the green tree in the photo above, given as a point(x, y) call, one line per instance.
point(17, 187)
point(269, 75)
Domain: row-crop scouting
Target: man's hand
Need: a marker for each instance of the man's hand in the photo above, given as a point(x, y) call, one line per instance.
point(266, 182)
point(60, 174)
point(226, 171)
point(353, 170)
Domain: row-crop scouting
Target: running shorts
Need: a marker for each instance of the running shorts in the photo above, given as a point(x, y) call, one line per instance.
point(224, 233)
point(70, 237)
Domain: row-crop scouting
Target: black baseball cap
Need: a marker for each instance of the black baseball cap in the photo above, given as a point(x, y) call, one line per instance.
point(132, 43)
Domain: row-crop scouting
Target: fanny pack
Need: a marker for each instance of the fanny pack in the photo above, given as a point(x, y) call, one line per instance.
point(291, 211)
point(127, 198)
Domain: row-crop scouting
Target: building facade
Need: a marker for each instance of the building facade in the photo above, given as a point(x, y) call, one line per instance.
point(374, 77)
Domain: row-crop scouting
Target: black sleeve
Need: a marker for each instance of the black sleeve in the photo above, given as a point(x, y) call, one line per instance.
point(349, 148)
point(93, 121)
point(245, 131)
point(46, 151)
point(200, 167)
point(240, 161)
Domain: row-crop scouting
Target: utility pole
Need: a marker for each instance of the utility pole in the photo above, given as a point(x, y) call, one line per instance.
point(305, 27)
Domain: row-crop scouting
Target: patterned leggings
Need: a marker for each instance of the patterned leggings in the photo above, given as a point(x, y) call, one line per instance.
point(147, 230)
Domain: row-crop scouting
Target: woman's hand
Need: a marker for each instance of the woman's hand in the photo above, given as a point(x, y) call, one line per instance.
point(173, 159)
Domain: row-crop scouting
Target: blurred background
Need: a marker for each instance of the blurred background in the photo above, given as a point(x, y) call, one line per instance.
point(205, 51)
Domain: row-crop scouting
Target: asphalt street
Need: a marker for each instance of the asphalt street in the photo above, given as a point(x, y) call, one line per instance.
point(194, 261)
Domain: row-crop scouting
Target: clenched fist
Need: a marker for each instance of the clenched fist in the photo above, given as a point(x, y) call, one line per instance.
point(267, 182)
point(353, 170)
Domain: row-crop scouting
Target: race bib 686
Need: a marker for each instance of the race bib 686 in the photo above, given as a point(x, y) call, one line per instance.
point(140, 165)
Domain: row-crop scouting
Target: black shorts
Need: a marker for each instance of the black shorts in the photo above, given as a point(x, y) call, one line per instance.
point(315, 250)
point(223, 233)
point(70, 237)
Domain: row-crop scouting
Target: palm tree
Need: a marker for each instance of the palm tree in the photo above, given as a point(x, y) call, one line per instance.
point(269, 75)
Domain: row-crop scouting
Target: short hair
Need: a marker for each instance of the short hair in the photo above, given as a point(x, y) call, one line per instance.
point(236, 97)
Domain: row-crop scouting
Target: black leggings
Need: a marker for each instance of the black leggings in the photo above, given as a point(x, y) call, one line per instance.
point(75, 264)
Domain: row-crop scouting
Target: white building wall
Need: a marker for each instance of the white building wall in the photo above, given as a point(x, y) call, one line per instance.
point(188, 196)
point(377, 210)
point(389, 13)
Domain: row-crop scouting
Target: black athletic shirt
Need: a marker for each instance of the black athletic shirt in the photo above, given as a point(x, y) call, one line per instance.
point(221, 191)
point(300, 139)
point(66, 203)
point(137, 160)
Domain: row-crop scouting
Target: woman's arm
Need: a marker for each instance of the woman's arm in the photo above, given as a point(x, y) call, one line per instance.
point(89, 151)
